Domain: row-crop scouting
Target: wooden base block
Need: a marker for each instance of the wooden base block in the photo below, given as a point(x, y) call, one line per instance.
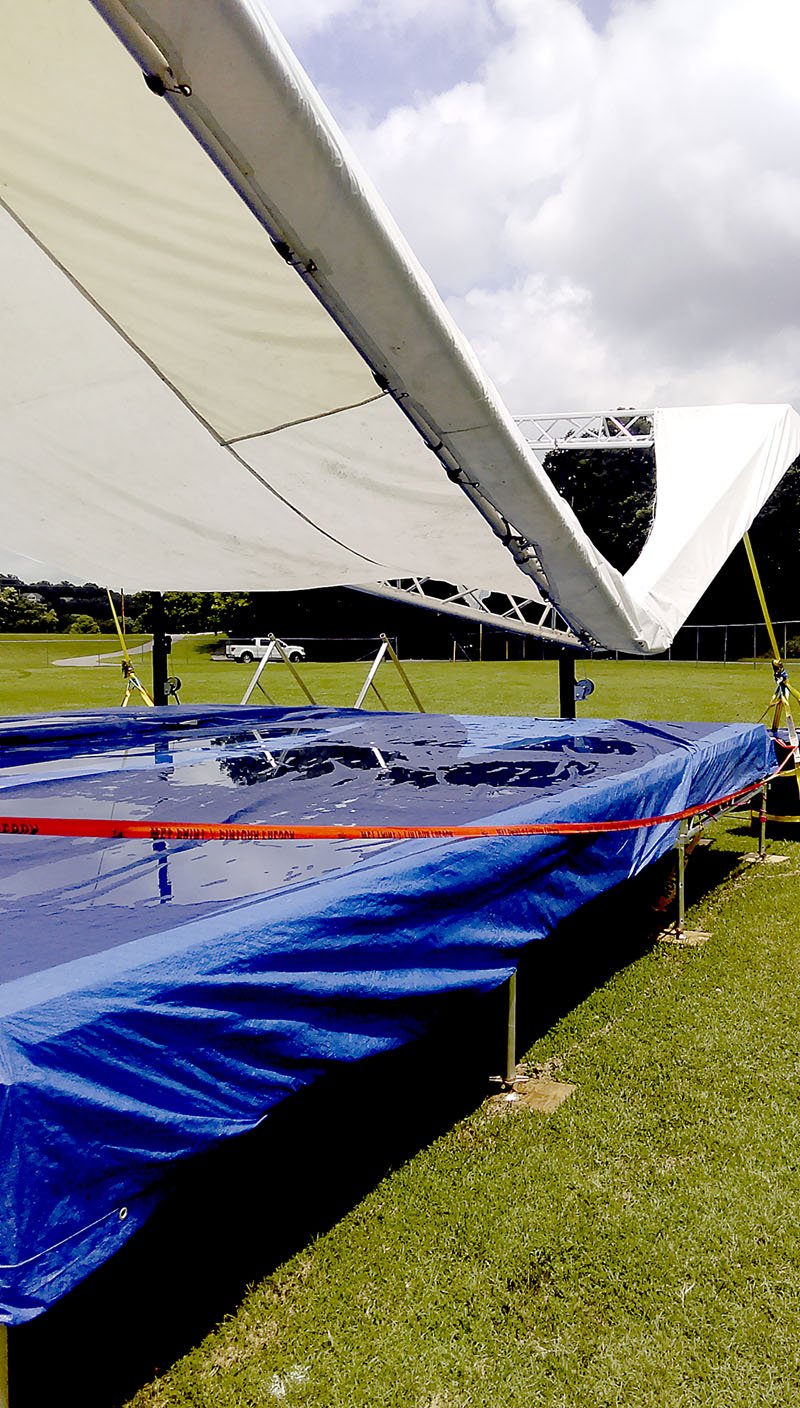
point(753, 858)
point(686, 938)
point(540, 1094)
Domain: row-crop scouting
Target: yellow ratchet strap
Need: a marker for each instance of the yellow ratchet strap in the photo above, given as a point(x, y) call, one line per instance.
point(129, 675)
point(783, 689)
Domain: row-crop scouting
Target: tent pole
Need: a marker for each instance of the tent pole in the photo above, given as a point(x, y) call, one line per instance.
point(161, 644)
point(371, 673)
point(395, 659)
point(273, 640)
point(256, 680)
point(566, 684)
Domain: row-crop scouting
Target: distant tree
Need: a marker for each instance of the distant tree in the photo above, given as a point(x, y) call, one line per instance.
point(20, 611)
point(82, 626)
point(230, 612)
point(186, 611)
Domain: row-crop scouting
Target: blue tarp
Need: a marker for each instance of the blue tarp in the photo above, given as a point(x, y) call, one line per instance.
point(158, 996)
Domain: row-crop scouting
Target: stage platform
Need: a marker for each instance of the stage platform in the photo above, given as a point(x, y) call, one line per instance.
point(159, 995)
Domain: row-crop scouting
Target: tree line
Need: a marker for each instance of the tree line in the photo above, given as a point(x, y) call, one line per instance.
point(84, 610)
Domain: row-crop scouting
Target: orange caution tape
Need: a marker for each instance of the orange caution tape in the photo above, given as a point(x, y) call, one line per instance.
point(234, 831)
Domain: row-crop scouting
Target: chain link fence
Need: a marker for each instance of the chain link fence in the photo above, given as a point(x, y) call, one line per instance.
point(735, 641)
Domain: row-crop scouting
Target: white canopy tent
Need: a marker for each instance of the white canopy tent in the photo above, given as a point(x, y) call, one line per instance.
point(183, 407)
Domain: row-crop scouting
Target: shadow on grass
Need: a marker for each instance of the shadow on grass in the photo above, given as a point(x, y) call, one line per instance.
point(236, 1214)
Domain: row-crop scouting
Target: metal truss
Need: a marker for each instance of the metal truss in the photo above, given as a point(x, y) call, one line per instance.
point(522, 616)
point(622, 429)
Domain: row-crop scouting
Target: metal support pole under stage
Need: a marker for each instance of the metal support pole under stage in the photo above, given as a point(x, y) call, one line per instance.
point(680, 922)
point(4, 1396)
point(511, 1032)
point(509, 1080)
point(161, 644)
point(761, 856)
point(256, 680)
point(566, 684)
point(689, 835)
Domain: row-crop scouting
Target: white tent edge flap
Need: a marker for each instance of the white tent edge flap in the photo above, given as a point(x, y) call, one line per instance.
point(243, 367)
point(716, 466)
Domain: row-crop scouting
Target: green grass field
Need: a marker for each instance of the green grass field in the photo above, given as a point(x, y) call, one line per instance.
point(634, 1248)
point(30, 681)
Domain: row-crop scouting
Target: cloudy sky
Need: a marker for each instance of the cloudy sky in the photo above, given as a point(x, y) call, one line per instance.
point(606, 192)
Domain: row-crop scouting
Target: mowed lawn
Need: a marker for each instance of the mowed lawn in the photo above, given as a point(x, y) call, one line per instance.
point(636, 1247)
point(32, 681)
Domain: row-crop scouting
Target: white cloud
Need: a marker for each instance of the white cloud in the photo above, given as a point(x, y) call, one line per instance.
point(459, 168)
point(298, 18)
point(614, 216)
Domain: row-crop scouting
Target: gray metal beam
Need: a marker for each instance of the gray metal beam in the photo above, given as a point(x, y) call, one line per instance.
point(513, 624)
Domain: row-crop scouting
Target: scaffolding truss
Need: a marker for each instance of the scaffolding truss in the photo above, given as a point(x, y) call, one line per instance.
point(622, 429)
point(522, 616)
point(581, 430)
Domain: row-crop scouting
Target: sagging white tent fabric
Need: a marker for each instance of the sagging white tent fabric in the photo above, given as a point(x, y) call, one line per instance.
point(182, 407)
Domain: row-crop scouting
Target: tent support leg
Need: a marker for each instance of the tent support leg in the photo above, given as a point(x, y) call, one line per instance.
point(566, 684)
point(256, 680)
point(395, 659)
point(373, 670)
point(273, 640)
point(369, 683)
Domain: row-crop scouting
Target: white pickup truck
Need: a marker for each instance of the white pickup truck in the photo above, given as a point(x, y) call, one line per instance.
point(247, 649)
